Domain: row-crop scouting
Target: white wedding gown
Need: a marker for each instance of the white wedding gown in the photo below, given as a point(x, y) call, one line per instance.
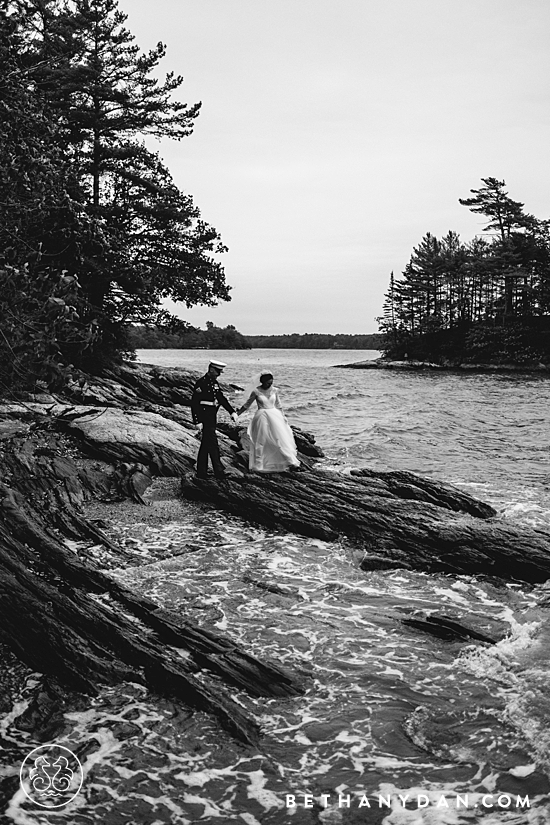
point(272, 445)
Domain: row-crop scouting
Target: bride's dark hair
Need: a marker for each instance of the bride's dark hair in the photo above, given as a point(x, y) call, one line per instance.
point(265, 376)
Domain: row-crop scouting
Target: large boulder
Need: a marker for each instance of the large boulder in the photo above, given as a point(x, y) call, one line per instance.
point(165, 446)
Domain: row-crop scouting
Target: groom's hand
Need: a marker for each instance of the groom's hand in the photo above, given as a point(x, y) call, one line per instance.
point(199, 427)
point(234, 417)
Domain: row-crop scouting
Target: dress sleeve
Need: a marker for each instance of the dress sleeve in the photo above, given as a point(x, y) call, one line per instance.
point(278, 401)
point(250, 400)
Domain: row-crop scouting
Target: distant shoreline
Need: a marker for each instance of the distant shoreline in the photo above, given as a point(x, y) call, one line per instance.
point(142, 337)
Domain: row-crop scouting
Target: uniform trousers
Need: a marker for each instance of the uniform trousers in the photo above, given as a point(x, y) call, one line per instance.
point(209, 445)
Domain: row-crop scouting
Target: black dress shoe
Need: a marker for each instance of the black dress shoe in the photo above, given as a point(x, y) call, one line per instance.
point(204, 478)
point(221, 477)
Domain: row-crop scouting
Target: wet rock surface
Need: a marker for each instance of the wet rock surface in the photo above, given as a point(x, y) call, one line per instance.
point(393, 531)
point(107, 442)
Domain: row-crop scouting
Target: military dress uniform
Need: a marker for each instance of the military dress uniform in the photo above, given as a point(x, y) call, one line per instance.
point(207, 398)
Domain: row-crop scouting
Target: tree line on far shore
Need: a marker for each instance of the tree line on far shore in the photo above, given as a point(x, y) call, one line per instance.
point(213, 337)
point(316, 340)
point(181, 335)
point(484, 300)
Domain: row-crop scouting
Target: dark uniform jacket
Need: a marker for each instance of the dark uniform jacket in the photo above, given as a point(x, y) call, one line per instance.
point(206, 399)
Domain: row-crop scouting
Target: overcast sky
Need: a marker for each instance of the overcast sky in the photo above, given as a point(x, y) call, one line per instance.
point(335, 133)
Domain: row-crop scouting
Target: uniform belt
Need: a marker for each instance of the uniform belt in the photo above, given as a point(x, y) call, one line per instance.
point(208, 403)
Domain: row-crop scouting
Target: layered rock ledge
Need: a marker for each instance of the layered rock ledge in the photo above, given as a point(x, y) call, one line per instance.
point(394, 519)
point(108, 439)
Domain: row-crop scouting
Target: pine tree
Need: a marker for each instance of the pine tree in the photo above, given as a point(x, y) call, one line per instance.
point(505, 215)
point(41, 329)
point(105, 97)
point(387, 322)
point(164, 248)
point(426, 265)
point(508, 218)
point(92, 73)
point(456, 287)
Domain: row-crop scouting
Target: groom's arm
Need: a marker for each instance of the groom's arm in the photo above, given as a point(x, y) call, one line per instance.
point(223, 402)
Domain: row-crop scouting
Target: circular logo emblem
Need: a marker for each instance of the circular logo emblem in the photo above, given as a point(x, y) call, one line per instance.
point(51, 776)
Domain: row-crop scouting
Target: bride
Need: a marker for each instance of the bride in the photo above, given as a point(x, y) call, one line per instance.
point(272, 445)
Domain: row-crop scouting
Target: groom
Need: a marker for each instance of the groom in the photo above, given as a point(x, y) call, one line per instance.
point(206, 399)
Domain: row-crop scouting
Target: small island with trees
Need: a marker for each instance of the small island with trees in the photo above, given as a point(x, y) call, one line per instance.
point(482, 302)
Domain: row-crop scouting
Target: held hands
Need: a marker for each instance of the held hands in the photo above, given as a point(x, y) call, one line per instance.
point(199, 427)
point(234, 417)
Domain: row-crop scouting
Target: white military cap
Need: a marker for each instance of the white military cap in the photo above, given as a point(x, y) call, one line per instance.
point(218, 364)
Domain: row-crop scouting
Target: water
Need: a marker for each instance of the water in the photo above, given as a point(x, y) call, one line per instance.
point(388, 710)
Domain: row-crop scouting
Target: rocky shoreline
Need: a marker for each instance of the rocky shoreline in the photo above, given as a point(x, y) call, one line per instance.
point(124, 443)
point(448, 366)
